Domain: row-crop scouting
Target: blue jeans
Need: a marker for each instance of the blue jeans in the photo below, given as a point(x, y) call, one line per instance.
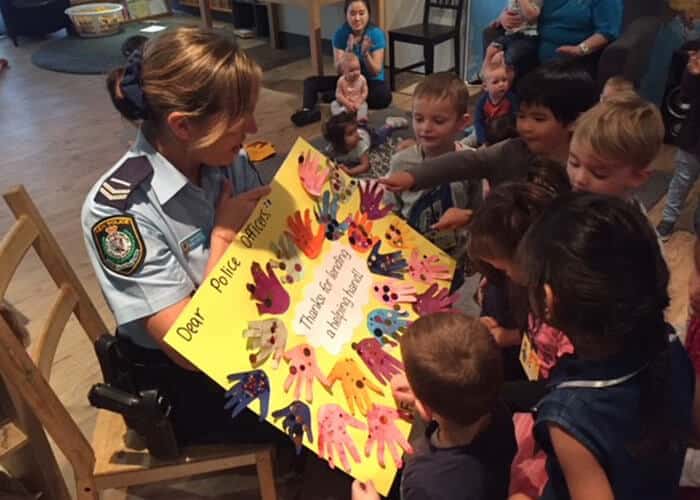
point(687, 171)
point(520, 51)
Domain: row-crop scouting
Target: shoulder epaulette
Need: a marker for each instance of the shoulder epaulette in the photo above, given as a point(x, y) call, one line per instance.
point(118, 187)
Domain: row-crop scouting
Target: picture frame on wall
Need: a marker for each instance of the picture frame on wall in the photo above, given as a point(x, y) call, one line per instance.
point(144, 9)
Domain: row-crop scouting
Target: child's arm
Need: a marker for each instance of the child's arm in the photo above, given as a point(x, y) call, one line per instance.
point(364, 92)
point(530, 9)
point(359, 169)
point(340, 94)
point(585, 478)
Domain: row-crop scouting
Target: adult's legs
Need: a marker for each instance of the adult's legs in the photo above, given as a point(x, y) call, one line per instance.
point(379, 94)
point(687, 171)
point(315, 84)
point(521, 53)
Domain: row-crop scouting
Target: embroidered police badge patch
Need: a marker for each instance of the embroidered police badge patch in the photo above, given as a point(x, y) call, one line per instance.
point(119, 244)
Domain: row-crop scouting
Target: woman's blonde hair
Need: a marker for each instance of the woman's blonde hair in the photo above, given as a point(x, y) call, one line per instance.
point(623, 128)
point(194, 71)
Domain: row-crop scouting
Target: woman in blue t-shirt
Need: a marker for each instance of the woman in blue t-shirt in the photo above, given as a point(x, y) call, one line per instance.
point(368, 42)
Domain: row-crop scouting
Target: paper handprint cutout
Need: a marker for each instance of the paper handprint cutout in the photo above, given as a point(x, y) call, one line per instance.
point(386, 323)
point(427, 269)
point(333, 436)
point(342, 185)
point(383, 431)
point(269, 338)
point(303, 369)
point(391, 264)
point(393, 292)
point(288, 260)
point(360, 237)
point(398, 236)
point(296, 423)
point(302, 233)
point(326, 212)
point(433, 301)
point(382, 364)
point(270, 295)
point(355, 385)
point(247, 387)
point(312, 175)
point(371, 198)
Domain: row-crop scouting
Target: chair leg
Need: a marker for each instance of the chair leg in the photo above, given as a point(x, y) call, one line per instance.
point(266, 475)
point(86, 490)
point(428, 56)
point(392, 64)
point(458, 61)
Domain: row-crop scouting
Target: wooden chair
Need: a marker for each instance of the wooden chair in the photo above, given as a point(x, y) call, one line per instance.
point(428, 35)
point(105, 462)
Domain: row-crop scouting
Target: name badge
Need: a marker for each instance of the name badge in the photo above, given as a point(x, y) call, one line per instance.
point(529, 359)
point(192, 241)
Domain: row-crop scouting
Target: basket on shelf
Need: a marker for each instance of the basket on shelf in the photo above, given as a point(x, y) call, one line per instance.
point(96, 19)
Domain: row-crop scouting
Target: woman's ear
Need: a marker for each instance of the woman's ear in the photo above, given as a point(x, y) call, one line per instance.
point(549, 300)
point(180, 126)
point(425, 413)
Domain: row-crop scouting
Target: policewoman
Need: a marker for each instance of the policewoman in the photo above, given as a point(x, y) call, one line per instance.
point(159, 220)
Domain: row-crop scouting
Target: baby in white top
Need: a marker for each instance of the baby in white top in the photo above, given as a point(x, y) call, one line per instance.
point(351, 90)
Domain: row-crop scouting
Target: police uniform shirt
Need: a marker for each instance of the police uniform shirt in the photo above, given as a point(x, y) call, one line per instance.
point(147, 231)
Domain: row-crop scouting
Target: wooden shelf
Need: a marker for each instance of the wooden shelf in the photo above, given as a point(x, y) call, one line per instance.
point(11, 439)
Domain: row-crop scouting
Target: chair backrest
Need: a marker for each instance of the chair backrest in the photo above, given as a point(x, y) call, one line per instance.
point(455, 5)
point(30, 376)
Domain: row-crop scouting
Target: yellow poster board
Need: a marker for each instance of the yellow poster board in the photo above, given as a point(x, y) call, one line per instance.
point(300, 319)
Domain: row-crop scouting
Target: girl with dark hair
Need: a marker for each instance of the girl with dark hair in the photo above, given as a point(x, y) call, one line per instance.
point(619, 413)
point(368, 42)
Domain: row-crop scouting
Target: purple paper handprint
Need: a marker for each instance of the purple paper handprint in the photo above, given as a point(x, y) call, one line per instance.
point(430, 302)
point(382, 364)
point(297, 421)
point(270, 295)
point(247, 387)
point(371, 197)
point(333, 436)
point(391, 264)
point(383, 431)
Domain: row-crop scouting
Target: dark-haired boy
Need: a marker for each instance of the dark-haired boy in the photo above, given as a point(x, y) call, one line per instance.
point(454, 369)
point(551, 99)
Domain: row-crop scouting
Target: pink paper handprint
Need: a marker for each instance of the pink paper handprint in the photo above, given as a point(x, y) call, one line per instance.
point(371, 197)
point(312, 175)
point(302, 233)
point(303, 369)
point(382, 364)
point(383, 431)
point(333, 436)
point(433, 301)
point(393, 292)
point(271, 297)
point(427, 268)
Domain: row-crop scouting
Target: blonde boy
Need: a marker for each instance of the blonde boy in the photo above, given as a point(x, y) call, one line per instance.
point(616, 85)
point(613, 146)
point(440, 103)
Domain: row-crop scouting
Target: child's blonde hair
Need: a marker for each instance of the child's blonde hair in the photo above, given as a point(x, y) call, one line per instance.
point(194, 71)
point(624, 128)
point(620, 84)
point(445, 85)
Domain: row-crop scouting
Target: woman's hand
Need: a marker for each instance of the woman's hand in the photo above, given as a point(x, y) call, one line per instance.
point(366, 44)
point(694, 63)
point(232, 212)
point(453, 218)
point(570, 50)
point(510, 20)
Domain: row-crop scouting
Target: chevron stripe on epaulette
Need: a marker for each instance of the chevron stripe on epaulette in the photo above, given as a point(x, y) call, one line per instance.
point(117, 188)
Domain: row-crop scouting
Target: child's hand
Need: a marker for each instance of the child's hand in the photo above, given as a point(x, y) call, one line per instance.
point(403, 396)
point(398, 181)
point(366, 44)
point(232, 212)
point(694, 63)
point(364, 491)
point(405, 144)
point(510, 20)
point(503, 337)
point(453, 218)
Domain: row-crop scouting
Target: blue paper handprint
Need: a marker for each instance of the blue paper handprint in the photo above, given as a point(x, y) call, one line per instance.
point(326, 212)
point(247, 387)
point(297, 421)
point(390, 264)
point(387, 323)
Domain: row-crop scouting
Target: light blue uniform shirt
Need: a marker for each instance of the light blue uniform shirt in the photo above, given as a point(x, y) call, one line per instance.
point(147, 233)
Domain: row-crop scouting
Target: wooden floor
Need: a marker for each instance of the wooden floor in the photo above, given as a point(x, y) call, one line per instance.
point(59, 133)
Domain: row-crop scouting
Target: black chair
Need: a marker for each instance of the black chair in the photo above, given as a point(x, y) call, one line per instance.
point(428, 35)
point(34, 17)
